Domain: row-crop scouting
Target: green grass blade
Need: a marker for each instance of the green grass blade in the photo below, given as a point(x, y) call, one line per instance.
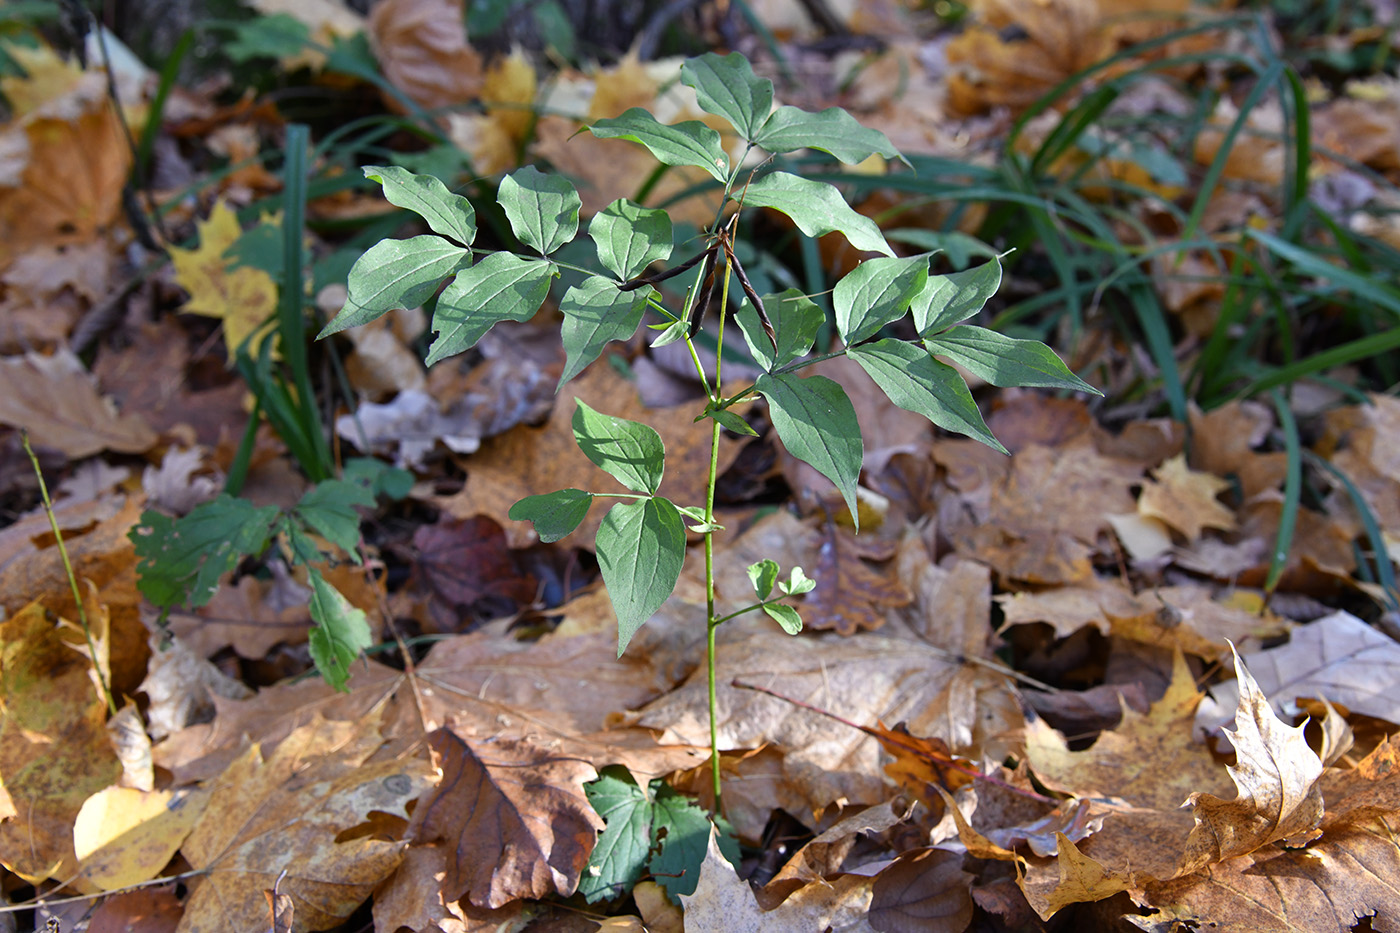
point(1292, 492)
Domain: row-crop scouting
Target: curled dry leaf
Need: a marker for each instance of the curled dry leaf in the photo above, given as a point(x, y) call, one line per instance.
point(422, 48)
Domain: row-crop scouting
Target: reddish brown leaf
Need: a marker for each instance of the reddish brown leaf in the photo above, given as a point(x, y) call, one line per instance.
point(465, 570)
point(850, 594)
point(924, 891)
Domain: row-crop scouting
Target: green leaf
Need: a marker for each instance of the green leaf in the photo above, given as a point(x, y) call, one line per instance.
point(396, 274)
point(630, 451)
point(277, 36)
point(1005, 361)
point(875, 293)
point(916, 382)
point(620, 855)
point(763, 575)
point(379, 478)
point(684, 842)
point(502, 287)
point(630, 237)
point(730, 420)
point(797, 583)
point(641, 548)
point(726, 86)
point(554, 514)
point(957, 296)
point(784, 615)
point(817, 424)
point(817, 208)
point(596, 313)
point(688, 143)
point(329, 508)
point(181, 560)
point(796, 321)
point(543, 209)
point(833, 131)
point(670, 333)
point(446, 213)
point(339, 634)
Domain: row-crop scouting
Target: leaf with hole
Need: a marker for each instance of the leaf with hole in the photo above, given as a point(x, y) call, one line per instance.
point(448, 214)
point(502, 287)
point(641, 549)
point(688, 143)
point(631, 452)
point(817, 424)
point(916, 382)
point(1005, 361)
point(542, 209)
point(817, 208)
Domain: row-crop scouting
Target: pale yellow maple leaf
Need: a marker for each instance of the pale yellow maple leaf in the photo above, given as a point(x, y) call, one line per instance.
point(1185, 499)
point(243, 297)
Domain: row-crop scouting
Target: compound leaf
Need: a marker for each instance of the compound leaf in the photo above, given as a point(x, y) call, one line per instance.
point(817, 208)
point(446, 213)
point(876, 293)
point(595, 313)
point(502, 287)
point(630, 451)
point(339, 634)
point(542, 209)
point(916, 382)
point(817, 424)
point(688, 143)
point(641, 548)
point(182, 559)
point(630, 237)
point(833, 131)
point(554, 514)
point(725, 85)
point(1006, 361)
point(396, 274)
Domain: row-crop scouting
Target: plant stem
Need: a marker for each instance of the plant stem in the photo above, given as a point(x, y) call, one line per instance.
point(73, 580)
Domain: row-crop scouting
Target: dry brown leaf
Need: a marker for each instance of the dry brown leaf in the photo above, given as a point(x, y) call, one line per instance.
point(851, 595)
point(1185, 499)
point(286, 812)
point(1081, 880)
point(422, 48)
point(54, 751)
point(1223, 442)
point(57, 401)
point(412, 898)
point(923, 891)
point(514, 817)
point(823, 856)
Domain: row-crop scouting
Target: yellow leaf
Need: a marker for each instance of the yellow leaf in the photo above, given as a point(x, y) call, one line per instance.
point(243, 298)
point(124, 836)
point(1185, 499)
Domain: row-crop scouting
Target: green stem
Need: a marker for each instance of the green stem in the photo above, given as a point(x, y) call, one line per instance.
point(73, 580)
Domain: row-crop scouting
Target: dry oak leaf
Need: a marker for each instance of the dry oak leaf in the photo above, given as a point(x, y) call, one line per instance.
point(289, 813)
point(1185, 499)
point(514, 816)
point(528, 461)
point(1276, 774)
point(54, 751)
point(243, 298)
point(57, 400)
point(850, 594)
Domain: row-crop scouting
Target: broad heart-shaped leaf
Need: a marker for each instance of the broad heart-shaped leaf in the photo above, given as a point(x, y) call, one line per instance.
point(876, 293)
point(817, 208)
point(339, 634)
point(833, 131)
point(630, 451)
point(502, 287)
point(641, 548)
point(688, 143)
point(396, 274)
point(817, 424)
point(630, 237)
point(1005, 361)
point(786, 616)
point(725, 85)
point(624, 847)
point(543, 209)
point(182, 559)
point(329, 508)
point(916, 382)
point(595, 313)
point(957, 296)
point(796, 320)
point(554, 514)
point(446, 213)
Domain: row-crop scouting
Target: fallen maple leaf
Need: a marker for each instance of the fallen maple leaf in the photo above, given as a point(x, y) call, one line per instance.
point(57, 401)
point(243, 298)
point(514, 816)
point(1185, 499)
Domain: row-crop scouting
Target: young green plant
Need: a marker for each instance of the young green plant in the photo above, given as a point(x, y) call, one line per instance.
point(641, 542)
